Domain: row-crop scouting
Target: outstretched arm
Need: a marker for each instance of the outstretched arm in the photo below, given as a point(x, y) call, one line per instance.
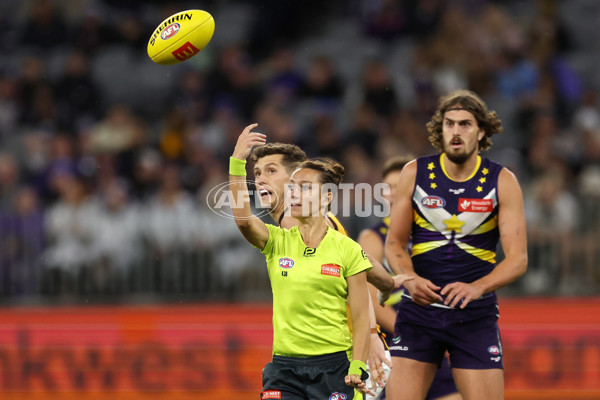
point(513, 236)
point(254, 230)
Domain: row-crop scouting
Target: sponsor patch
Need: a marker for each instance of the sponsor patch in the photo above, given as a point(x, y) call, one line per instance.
point(271, 394)
point(475, 205)
point(433, 202)
point(330, 269)
point(286, 263)
point(495, 350)
point(338, 396)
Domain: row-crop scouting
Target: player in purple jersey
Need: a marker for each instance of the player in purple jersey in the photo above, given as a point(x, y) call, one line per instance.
point(455, 206)
point(372, 240)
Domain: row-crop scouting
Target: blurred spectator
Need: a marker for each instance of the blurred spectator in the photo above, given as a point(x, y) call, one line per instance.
point(171, 228)
point(170, 216)
point(281, 78)
point(386, 19)
point(552, 215)
point(365, 130)
point(21, 244)
point(171, 135)
point(116, 239)
point(117, 132)
point(31, 82)
point(190, 96)
point(9, 108)
point(586, 244)
point(378, 88)
point(78, 97)
point(70, 230)
point(92, 32)
point(321, 82)
point(233, 83)
point(44, 28)
point(9, 180)
point(146, 174)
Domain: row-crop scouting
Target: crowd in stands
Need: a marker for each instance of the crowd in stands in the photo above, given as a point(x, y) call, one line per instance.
point(106, 159)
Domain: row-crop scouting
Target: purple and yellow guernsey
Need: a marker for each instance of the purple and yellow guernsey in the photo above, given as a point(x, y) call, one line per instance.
point(455, 224)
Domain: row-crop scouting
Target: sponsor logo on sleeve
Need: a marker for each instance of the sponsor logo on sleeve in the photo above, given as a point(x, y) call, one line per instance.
point(433, 202)
point(286, 263)
point(330, 269)
point(271, 394)
point(475, 205)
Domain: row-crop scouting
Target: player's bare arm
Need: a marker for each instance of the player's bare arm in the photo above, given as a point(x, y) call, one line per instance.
point(422, 291)
point(513, 236)
point(254, 230)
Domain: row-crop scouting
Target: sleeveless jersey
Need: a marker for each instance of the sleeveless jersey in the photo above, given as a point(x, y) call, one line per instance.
point(455, 224)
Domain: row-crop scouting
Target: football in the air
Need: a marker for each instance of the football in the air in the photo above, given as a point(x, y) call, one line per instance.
point(181, 36)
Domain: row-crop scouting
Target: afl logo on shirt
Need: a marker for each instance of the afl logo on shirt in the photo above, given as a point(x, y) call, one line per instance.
point(338, 396)
point(286, 263)
point(433, 202)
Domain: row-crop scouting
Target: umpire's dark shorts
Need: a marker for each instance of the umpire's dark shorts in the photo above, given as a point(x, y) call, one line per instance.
point(311, 378)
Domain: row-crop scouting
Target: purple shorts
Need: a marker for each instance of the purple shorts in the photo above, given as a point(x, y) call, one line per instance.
point(471, 336)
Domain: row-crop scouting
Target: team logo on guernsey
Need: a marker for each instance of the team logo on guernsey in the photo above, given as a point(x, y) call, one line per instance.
point(475, 205)
point(433, 202)
point(338, 396)
point(271, 394)
point(286, 263)
point(495, 350)
point(331, 270)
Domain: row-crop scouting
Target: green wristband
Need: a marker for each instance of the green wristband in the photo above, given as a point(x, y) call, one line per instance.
point(355, 367)
point(237, 167)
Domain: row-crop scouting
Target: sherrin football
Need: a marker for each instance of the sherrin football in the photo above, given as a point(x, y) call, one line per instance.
point(181, 36)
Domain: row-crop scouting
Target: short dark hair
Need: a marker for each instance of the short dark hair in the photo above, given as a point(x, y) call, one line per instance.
point(469, 101)
point(331, 171)
point(292, 154)
point(395, 164)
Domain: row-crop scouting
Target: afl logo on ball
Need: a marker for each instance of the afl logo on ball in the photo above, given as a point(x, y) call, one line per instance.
point(286, 263)
point(170, 31)
point(495, 350)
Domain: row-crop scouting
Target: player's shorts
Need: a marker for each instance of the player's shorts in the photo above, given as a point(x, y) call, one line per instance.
point(471, 336)
point(320, 377)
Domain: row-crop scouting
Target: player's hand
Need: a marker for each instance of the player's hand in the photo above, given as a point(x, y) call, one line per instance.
point(377, 357)
point(423, 291)
point(246, 141)
point(355, 382)
point(400, 279)
point(459, 291)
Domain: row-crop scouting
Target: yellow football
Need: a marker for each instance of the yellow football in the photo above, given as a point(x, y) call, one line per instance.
point(181, 36)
